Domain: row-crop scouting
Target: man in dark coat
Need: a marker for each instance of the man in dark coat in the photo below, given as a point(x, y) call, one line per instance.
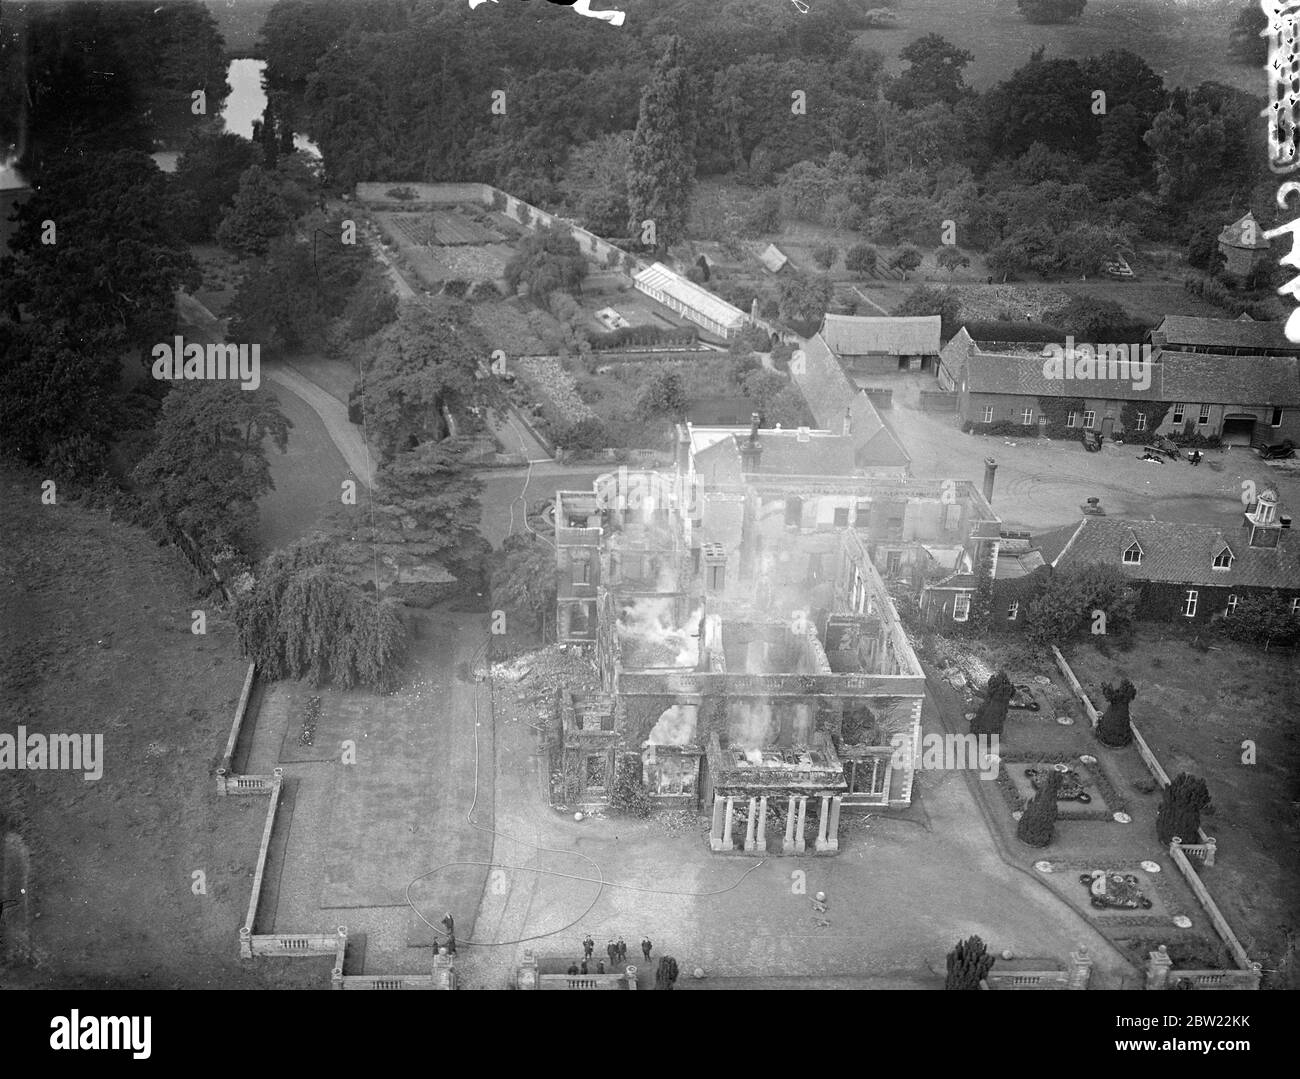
point(622, 951)
point(588, 946)
point(645, 948)
point(611, 950)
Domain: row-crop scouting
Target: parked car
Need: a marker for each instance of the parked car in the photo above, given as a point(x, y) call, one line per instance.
point(1279, 451)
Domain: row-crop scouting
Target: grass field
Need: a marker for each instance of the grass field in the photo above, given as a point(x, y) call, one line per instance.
point(1184, 41)
point(96, 639)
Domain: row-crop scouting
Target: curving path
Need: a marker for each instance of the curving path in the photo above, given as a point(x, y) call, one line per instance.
point(334, 415)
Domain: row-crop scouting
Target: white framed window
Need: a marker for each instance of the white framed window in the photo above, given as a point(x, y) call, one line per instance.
point(1277, 418)
point(1295, 605)
point(988, 413)
point(1189, 603)
point(1088, 417)
point(1178, 413)
point(1232, 607)
point(1204, 417)
point(1223, 560)
point(1072, 418)
point(1013, 612)
point(1027, 417)
point(961, 607)
point(1133, 555)
point(1140, 421)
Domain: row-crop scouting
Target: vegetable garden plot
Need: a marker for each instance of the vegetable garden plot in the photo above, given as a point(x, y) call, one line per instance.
point(450, 227)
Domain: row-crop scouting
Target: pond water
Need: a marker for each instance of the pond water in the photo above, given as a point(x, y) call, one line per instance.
point(247, 102)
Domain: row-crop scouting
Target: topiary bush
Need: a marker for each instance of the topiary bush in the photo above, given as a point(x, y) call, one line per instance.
point(968, 964)
point(991, 715)
point(1037, 825)
point(1181, 807)
point(1113, 729)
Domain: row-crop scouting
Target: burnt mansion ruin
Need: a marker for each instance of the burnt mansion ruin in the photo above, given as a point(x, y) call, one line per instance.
point(749, 654)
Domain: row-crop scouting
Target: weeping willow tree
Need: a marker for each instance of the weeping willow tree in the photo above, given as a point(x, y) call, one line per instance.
point(304, 619)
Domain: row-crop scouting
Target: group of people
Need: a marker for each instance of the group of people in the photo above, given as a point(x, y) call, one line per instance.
point(615, 949)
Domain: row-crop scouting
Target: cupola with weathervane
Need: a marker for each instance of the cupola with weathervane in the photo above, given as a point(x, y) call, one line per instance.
point(1263, 521)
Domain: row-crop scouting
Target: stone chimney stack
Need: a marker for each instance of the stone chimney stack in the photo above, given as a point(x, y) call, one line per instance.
point(751, 450)
point(990, 467)
point(848, 422)
point(753, 310)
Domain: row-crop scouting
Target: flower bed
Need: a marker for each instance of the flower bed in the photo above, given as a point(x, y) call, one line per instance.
point(1113, 801)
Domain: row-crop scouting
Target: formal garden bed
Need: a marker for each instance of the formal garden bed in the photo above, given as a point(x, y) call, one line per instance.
point(1097, 800)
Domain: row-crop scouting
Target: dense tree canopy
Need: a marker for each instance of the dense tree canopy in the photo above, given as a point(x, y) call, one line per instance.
point(208, 465)
point(661, 167)
point(104, 76)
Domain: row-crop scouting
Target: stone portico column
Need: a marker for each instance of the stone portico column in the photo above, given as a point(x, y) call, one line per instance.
point(823, 820)
point(788, 846)
point(760, 841)
point(749, 824)
point(833, 828)
point(799, 828)
point(715, 832)
point(727, 842)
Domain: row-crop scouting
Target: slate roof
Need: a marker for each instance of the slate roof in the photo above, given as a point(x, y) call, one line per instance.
point(773, 258)
point(1192, 378)
point(1242, 380)
point(1221, 333)
point(874, 444)
point(1242, 234)
point(852, 335)
point(829, 393)
point(823, 383)
point(1181, 553)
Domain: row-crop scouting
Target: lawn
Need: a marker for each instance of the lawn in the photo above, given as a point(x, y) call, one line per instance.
point(1184, 41)
point(1195, 710)
point(96, 639)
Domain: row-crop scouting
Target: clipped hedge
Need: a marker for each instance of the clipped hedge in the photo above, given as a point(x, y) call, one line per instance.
point(1002, 427)
point(629, 337)
point(1005, 330)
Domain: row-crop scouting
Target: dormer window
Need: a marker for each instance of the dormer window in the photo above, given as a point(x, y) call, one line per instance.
point(1133, 555)
point(1223, 560)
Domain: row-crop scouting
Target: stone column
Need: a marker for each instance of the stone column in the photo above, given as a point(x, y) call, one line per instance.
point(1080, 968)
point(833, 829)
point(823, 820)
point(715, 832)
point(727, 842)
point(1158, 965)
point(444, 970)
point(750, 821)
point(799, 828)
point(760, 841)
point(788, 846)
